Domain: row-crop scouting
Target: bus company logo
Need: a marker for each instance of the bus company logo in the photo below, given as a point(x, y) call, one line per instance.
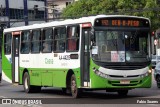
point(21, 101)
point(6, 101)
point(125, 76)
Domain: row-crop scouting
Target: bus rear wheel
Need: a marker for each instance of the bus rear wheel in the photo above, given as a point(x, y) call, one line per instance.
point(122, 93)
point(26, 84)
point(74, 90)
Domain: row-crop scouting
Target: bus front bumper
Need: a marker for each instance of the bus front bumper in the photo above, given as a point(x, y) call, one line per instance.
point(99, 82)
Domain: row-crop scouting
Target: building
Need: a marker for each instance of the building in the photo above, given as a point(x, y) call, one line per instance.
point(27, 11)
point(55, 7)
point(15, 13)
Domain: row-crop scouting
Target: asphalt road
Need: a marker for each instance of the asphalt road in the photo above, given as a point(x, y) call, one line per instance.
point(89, 99)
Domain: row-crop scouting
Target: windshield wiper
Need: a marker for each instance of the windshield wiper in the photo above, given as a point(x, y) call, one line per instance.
point(134, 37)
point(113, 40)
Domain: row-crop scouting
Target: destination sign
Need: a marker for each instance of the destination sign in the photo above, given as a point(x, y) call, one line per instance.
point(122, 22)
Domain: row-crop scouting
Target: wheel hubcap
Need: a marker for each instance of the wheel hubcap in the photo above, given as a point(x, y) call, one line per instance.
point(73, 86)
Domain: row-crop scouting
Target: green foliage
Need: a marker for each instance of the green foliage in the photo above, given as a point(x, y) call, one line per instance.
point(142, 8)
point(153, 15)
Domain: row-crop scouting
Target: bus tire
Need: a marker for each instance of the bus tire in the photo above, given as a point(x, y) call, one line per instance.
point(74, 90)
point(64, 90)
point(26, 84)
point(158, 81)
point(122, 93)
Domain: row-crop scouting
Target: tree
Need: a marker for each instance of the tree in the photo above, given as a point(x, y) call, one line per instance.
point(154, 14)
point(145, 8)
point(131, 7)
point(80, 8)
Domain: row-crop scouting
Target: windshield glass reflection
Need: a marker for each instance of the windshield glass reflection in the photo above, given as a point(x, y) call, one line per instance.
point(120, 46)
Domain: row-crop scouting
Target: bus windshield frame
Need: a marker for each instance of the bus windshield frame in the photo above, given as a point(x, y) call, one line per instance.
point(119, 51)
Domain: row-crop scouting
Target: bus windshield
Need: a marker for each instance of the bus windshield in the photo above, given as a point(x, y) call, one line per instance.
point(120, 46)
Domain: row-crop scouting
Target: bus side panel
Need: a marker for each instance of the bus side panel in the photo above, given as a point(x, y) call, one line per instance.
point(47, 77)
point(60, 75)
point(6, 67)
point(59, 78)
point(35, 76)
point(44, 70)
point(50, 77)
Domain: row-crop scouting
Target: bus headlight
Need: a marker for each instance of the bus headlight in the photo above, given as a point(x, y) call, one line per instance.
point(144, 75)
point(106, 76)
point(101, 74)
point(150, 71)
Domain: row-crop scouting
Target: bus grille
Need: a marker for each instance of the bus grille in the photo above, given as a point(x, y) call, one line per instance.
point(117, 83)
point(124, 67)
point(119, 76)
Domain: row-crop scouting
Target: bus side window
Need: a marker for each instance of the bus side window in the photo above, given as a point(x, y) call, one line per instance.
point(59, 39)
point(36, 41)
point(25, 42)
point(47, 40)
point(73, 38)
point(7, 43)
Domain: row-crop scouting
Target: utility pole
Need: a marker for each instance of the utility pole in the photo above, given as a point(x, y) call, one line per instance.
point(25, 2)
point(45, 11)
point(1, 11)
point(3, 22)
point(1, 36)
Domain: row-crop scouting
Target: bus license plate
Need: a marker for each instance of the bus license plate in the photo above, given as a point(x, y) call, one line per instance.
point(124, 82)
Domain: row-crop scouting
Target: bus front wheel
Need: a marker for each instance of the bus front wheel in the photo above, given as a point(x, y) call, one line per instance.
point(74, 90)
point(26, 84)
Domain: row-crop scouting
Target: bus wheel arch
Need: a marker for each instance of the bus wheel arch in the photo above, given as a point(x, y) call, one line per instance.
point(68, 83)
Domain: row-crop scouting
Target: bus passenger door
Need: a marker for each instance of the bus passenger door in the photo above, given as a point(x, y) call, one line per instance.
point(15, 57)
point(85, 58)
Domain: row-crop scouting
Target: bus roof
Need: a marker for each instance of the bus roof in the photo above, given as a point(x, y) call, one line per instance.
point(64, 22)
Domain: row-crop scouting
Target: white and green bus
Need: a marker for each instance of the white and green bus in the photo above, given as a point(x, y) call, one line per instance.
point(103, 52)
